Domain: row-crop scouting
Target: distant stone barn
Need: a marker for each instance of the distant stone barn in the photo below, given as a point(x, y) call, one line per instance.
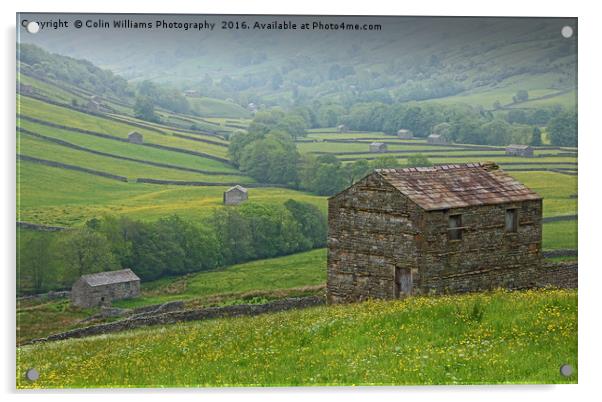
point(102, 288)
point(442, 229)
point(377, 147)
point(519, 150)
point(235, 195)
point(135, 137)
point(341, 128)
point(404, 134)
point(436, 139)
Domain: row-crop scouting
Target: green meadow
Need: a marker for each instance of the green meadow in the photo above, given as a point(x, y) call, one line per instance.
point(57, 196)
point(464, 339)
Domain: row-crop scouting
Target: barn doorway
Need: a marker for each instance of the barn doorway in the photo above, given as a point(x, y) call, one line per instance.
point(403, 282)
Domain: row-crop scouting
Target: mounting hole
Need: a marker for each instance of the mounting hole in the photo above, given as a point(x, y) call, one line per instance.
point(566, 31)
point(32, 374)
point(33, 27)
point(566, 370)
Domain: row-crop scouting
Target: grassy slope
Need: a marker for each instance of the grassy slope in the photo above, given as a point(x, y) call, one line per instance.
point(293, 271)
point(209, 107)
point(128, 150)
point(42, 149)
point(71, 118)
point(56, 196)
point(420, 340)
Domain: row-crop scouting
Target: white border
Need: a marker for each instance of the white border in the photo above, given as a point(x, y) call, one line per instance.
point(590, 146)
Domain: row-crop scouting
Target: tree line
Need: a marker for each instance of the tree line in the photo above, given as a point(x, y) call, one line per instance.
point(169, 246)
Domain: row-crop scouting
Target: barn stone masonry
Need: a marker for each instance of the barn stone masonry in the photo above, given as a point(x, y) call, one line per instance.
point(101, 288)
point(445, 229)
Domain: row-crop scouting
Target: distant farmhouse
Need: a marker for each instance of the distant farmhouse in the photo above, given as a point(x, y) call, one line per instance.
point(436, 139)
point(235, 195)
point(519, 150)
point(135, 137)
point(93, 106)
point(192, 93)
point(341, 128)
point(252, 107)
point(25, 89)
point(103, 287)
point(405, 134)
point(451, 228)
point(378, 147)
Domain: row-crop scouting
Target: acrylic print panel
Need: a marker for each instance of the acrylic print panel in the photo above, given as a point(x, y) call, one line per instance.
point(229, 200)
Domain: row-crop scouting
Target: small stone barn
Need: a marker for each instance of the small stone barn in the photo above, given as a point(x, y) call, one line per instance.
point(519, 150)
point(404, 134)
point(378, 147)
point(436, 139)
point(235, 195)
point(341, 128)
point(135, 137)
point(103, 287)
point(442, 229)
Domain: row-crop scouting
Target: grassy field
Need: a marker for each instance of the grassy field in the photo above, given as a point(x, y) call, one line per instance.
point(209, 107)
point(264, 276)
point(39, 148)
point(44, 111)
point(50, 195)
point(468, 339)
point(127, 149)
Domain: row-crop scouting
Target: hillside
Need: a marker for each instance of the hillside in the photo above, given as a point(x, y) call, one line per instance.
point(469, 339)
point(468, 60)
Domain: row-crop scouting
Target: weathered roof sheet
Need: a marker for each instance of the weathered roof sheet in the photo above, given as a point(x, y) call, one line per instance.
point(434, 136)
point(377, 144)
point(237, 187)
point(110, 277)
point(456, 186)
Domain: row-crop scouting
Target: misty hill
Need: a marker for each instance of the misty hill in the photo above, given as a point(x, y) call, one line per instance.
point(478, 61)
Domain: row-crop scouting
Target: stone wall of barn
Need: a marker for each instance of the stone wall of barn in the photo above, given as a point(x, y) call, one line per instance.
point(234, 197)
point(371, 232)
point(83, 295)
point(487, 256)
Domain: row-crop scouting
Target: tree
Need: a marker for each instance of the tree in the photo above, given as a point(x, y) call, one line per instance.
point(145, 109)
point(83, 251)
point(521, 96)
point(356, 170)
point(34, 262)
point(563, 130)
point(418, 160)
point(385, 162)
point(311, 221)
point(536, 137)
point(496, 132)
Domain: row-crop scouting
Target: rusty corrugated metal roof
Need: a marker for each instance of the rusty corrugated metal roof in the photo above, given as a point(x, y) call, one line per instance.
point(456, 186)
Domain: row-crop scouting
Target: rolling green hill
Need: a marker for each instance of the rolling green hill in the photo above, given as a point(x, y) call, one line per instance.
point(477, 61)
point(468, 339)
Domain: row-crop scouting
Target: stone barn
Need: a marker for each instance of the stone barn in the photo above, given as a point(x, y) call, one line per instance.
point(442, 229)
point(341, 128)
point(235, 195)
point(102, 288)
point(436, 139)
point(405, 134)
point(135, 137)
point(377, 147)
point(519, 150)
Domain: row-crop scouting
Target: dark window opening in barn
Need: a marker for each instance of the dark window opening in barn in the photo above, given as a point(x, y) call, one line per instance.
point(454, 230)
point(512, 220)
